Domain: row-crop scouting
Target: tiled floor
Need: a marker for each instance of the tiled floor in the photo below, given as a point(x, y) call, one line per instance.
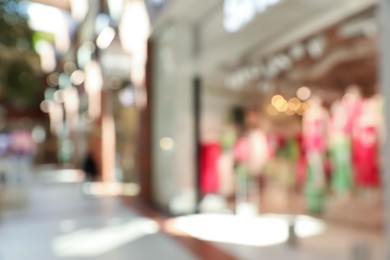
point(56, 221)
point(49, 220)
point(265, 237)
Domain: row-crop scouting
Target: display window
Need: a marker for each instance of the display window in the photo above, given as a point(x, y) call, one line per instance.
point(311, 144)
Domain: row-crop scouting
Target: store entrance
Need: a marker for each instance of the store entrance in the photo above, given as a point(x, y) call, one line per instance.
point(305, 138)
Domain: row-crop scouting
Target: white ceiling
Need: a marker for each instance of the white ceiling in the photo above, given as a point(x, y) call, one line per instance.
point(269, 32)
point(272, 31)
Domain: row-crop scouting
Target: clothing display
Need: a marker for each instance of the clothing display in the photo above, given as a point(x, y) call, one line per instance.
point(226, 174)
point(210, 154)
point(228, 138)
point(366, 148)
point(340, 148)
point(334, 154)
point(366, 157)
point(241, 150)
point(314, 130)
point(340, 153)
point(257, 151)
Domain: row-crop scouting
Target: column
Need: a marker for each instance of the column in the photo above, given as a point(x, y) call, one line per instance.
point(384, 66)
point(173, 121)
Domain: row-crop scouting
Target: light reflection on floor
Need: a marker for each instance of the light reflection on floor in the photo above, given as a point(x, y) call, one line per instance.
point(94, 242)
point(61, 176)
point(100, 189)
point(50, 219)
point(96, 189)
point(265, 230)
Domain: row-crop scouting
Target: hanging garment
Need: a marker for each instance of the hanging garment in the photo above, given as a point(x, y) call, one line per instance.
point(241, 150)
point(341, 149)
point(315, 136)
point(366, 155)
point(257, 151)
point(315, 144)
point(340, 153)
point(315, 182)
point(226, 174)
point(210, 154)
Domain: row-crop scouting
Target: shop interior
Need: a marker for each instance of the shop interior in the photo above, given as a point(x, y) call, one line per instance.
point(299, 131)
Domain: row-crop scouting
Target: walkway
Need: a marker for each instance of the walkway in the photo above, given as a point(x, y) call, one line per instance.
point(47, 221)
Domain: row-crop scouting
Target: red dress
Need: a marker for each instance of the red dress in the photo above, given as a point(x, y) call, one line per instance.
point(210, 153)
point(365, 156)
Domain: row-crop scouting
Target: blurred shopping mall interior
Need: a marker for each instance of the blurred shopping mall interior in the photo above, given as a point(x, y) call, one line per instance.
point(194, 129)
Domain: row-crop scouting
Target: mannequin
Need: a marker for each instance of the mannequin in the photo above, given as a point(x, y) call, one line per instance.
point(226, 161)
point(340, 149)
point(366, 136)
point(314, 130)
point(251, 154)
point(351, 102)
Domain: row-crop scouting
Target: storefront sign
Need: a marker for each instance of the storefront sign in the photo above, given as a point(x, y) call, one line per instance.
point(238, 13)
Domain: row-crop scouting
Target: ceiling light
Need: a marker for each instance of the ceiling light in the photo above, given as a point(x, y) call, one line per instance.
point(167, 143)
point(303, 93)
point(297, 52)
point(44, 106)
point(79, 9)
point(115, 8)
point(77, 77)
point(134, 28)
point(316, 47)
point(84, 53)
point(105, 38)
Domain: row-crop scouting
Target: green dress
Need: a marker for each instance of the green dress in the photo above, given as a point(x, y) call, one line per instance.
point(315, 184)
point(341, 181)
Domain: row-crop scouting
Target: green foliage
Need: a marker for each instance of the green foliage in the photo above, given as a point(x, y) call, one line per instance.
point(21, 85)
point(19, 81)
point(14, 28)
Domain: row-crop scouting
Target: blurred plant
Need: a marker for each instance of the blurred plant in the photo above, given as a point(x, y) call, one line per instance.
point(19, 78)
point(14, 28)
point(22, 85)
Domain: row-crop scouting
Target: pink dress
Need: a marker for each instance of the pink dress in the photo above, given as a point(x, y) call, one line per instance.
point(353, 110)
point(241, 150)
point(314, 138)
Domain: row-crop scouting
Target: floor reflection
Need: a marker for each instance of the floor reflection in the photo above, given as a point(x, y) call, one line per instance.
point(265, 230)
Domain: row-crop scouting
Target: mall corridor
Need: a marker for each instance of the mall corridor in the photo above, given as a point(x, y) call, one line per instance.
point(211, 130)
